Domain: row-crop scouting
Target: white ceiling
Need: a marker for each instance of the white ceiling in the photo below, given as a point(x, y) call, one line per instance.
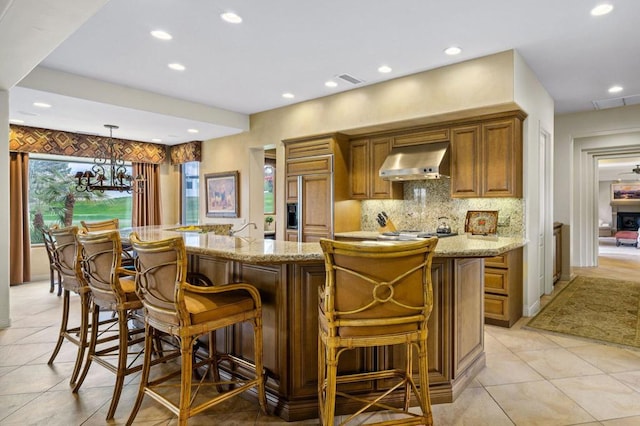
point(295, 46)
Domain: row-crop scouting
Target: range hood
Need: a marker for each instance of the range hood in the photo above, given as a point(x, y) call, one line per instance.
point(417, 162)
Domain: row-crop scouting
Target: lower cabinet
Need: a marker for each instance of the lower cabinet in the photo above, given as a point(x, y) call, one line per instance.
point(503, 288)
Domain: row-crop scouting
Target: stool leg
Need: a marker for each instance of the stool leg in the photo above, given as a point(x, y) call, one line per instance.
point(186, 350)
point(95, 321)
point(123, 351)
point(63, 326)
point(82, 338)
point(257, 344)
point(144, 379)
point(425, 399)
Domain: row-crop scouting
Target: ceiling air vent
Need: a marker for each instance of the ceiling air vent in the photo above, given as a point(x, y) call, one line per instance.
point(616, 102)
point(350, 79)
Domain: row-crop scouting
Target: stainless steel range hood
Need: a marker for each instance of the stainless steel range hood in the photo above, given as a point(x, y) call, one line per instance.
point(417, 162)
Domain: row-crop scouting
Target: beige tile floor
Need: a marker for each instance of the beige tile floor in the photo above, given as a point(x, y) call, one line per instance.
point(531, 378)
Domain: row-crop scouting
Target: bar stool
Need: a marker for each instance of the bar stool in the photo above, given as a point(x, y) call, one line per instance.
point(66, 258)
point(54, 272)
point(112, 288)
point(375, 295)
point(111, 225)
point(186, 311)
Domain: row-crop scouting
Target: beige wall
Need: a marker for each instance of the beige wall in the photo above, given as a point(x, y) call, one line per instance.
point(456, 91)
point(494, 83)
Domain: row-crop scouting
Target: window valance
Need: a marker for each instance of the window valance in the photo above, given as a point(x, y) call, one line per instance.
point(185, 152)
point(58, 142)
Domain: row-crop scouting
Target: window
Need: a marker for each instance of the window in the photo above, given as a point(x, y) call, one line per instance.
point(190, 193)
point(53, 199)
point(269, 189)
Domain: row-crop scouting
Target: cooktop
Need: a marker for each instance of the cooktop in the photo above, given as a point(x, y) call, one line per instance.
point(413, 235)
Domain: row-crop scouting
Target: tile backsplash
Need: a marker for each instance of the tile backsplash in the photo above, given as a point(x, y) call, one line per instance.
point(427, 200)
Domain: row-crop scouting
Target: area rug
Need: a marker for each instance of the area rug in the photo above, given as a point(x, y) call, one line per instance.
point(594, 308)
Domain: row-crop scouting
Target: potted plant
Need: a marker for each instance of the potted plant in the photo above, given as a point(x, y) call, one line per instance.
point(268, 220)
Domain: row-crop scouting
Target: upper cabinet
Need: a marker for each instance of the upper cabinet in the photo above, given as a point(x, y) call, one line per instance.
point(486, 158)
point(365, 159)
point(317, 179)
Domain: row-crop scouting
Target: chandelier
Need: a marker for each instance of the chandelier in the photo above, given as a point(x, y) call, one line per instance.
point(108, 172)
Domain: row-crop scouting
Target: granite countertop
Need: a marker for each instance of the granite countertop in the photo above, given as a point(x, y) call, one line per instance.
point(239, 248)
point(261, 251)
point(464, 245)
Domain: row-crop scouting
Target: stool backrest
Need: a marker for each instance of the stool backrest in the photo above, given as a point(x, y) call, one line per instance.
point(373, 289)
point(66, 255)
point(104, 225)
point(101, 264)
point(161, 268)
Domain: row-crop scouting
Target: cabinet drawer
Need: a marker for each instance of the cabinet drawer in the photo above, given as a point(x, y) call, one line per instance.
point(496, 280)
point(500, 261)
point(496, 307)
point(420, 137)
point(320, 164)
point(309, 148)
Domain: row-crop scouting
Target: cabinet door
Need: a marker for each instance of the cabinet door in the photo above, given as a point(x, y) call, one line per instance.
point(291, 236)
point(317, 206)
point(378, 187)
point(501, 159)
point(359, 169)
point(292, 189)
point(465, 162)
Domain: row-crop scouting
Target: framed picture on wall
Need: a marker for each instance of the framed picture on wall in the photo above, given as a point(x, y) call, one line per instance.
point(222, 194)
point(625, 191)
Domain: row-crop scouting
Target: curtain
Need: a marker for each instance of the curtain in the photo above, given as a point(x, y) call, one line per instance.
point(19, 238)
point(146, 203)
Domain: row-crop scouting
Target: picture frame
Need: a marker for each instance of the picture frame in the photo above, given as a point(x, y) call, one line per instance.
point(221, 191)
point(481, 222)
point(625, 191)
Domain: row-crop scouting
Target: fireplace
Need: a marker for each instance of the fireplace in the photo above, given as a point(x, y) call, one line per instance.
point(628, 221)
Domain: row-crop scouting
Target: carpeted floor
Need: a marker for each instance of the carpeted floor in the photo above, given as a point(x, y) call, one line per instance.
point(595, 308)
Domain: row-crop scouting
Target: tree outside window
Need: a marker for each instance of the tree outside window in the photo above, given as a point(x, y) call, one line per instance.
point(53, 199)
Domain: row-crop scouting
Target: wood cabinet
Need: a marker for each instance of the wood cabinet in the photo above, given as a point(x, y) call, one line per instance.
point(419, 137)
point(503, 288)
point(365, 159)
point(289, 293)
point(317, 179)
point(557, 251)
point(486, 158)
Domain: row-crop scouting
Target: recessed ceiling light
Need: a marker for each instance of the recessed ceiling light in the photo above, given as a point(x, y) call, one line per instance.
point(331, 83)
point(177, 67)
point(384, 69)
point(162, 35)
point(601, 9)
point(453, 50)
point(156, 140)
point(16, 121)
point(41, 105)
point(288, 95)
point(615, 89)
point(192, 130)
point(231, 17)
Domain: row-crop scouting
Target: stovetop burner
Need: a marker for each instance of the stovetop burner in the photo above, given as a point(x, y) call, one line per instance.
point(413, 235)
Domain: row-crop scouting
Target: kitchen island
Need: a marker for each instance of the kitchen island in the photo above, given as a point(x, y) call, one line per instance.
point(288, 276)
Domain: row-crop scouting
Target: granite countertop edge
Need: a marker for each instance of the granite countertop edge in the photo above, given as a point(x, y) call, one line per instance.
point(260, 251)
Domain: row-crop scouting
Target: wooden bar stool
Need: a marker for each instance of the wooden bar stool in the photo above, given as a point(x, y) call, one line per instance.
point(54, 272)
point(375, 295)
point(186, 311)
point(111, 225)
point(112, 288)
point(66, 257)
